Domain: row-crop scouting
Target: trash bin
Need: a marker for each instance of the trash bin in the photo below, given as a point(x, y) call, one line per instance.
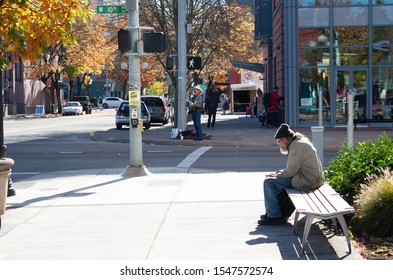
point(5, 170)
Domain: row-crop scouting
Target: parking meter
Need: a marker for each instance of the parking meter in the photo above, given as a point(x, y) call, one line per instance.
point(134, 118)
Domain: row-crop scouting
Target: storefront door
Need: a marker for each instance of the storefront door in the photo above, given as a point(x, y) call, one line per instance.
point(355, 80)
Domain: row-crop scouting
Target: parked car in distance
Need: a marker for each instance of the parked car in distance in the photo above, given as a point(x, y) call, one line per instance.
point(72, 108)
point(123, 115)
point(156, 106)
point(111, 102)
point(85, 102)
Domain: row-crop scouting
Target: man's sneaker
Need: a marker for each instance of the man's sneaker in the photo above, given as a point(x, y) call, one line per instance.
point(263, 217)
point(271, 221)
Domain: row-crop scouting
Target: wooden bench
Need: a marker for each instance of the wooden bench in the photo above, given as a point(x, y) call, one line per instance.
point(357, 121)
point(322, 203)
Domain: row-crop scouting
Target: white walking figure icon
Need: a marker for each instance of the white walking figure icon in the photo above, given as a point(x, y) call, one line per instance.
point(191, 63)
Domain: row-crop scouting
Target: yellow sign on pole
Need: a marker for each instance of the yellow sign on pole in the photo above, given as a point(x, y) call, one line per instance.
point(134, 98)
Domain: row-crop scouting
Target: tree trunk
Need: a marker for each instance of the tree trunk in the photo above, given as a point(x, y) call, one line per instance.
point(71, 90)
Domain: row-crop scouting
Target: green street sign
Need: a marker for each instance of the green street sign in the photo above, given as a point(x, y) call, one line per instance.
point(111, 9)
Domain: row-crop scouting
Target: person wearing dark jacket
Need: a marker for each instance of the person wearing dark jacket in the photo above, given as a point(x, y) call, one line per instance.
point(211, 104)
point(303, 171)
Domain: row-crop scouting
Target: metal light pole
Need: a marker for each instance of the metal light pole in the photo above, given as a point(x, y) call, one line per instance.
point(136, 167)
point(5, 163)
point(182, 65)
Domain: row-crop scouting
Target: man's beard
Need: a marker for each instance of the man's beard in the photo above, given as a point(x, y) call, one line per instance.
point(284, 150)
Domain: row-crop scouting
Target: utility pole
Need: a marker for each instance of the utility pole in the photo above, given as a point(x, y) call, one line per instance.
point(182, 65)
point(5, 163)
point(136, 167)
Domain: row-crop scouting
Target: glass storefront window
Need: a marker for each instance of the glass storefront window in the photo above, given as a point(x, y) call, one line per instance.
point(350, 16)
point(382, 98)
point(313, 17)
point(314, 56)
point(350, 56)
point(350, 2)
point(382, 34)
point(382, 55)
point(312, 82)
point(382, 1)
point(312, 3)
point(311, 37)
point(382, 15)
point(350, 36)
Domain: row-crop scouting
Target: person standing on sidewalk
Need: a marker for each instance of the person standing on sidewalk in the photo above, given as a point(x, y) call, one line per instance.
point(224, 103)
point(303, 171)
point(196, 108)
point(211, 104)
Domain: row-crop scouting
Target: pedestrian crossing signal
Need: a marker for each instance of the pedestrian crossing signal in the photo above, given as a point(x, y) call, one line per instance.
point(194, 63)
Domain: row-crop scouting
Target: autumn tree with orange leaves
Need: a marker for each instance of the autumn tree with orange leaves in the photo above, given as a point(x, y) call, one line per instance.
point(28, 28)
point(32, 30)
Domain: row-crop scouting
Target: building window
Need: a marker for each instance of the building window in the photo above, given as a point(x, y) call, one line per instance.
point(382, 1)
point(382, 15)
point(351, 36)
point(311, 37)
point(313, 17)
point(350, 56)
point(312, 82)
point(382, 96)
point(312, 3)
point(349, 2)
point(350, 16)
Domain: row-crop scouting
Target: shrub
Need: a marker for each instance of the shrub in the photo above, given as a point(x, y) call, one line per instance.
point(374, 206)
point(351, 166)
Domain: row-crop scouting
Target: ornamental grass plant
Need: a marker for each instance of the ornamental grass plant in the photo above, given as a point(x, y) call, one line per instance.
point(374, 206)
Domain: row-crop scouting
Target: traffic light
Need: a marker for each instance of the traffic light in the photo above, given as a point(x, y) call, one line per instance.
point(169, 63)
point(153, 42)
point(124, 40)
point(194, 63)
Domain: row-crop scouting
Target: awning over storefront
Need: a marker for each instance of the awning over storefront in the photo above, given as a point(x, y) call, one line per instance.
point(255, 67)
point(250, 86)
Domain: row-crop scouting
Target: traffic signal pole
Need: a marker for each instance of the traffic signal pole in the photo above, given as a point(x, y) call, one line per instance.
point(182, 66)
point(136, 167)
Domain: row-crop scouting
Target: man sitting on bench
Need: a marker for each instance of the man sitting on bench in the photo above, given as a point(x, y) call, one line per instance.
point(303, 171)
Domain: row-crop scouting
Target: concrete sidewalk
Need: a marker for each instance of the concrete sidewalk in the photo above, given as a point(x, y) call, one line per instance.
point(170, 214)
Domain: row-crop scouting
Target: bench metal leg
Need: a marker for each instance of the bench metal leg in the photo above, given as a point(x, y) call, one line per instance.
point(345, 230)
point(295, 222)
point(334, 222)
point(307, 227)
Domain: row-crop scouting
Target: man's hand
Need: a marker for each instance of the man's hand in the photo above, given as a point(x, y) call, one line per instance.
point(271, 175)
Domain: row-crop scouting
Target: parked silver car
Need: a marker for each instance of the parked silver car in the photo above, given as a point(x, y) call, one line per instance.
point(158, 111)
point(123, 115)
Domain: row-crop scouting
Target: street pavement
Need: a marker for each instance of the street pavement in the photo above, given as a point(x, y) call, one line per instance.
point(177, 213)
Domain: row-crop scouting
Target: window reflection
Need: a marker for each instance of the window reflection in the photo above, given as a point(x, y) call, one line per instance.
point(314, 56)
point(312, 82)
point(312, 3)
point(382, 98)
point(351, 36)
point(350, 16)
point(350, 56)
point(382, 1)
point(382, 15)
point(383, 34)
point(313, 17)
point(349, 2)
point(313, 37)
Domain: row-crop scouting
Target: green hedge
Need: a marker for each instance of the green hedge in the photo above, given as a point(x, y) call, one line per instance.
point(351, 166)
